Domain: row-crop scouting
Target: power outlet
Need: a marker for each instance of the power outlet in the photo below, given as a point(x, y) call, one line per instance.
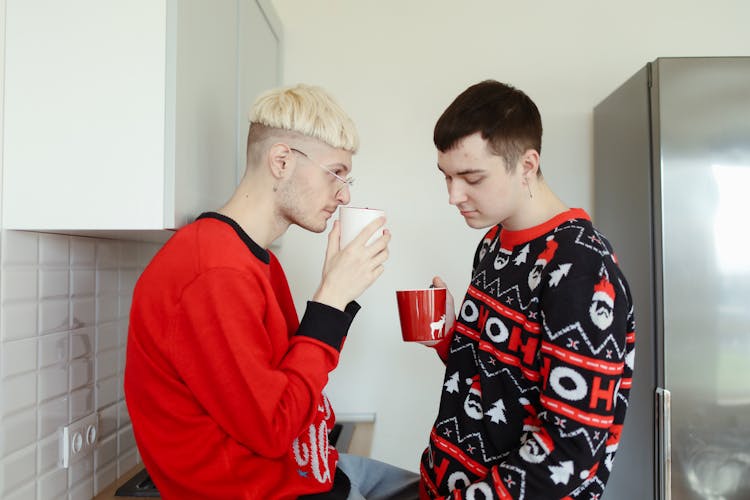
point(78, 439)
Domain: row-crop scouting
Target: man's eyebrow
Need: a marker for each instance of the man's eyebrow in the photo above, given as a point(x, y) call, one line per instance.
point(332, 166)
point(467, 171)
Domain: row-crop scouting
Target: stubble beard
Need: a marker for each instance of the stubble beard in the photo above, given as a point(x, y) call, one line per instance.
point(292, 209)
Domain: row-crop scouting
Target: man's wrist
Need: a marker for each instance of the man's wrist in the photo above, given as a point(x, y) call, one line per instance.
point(323, 296)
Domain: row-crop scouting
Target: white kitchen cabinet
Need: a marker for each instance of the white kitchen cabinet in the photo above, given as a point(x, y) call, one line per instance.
point(129, 115)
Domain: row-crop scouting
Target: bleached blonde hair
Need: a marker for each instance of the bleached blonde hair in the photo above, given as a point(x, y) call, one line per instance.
point(306, 110)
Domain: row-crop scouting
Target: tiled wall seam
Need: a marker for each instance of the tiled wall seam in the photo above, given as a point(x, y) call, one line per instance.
point(64, 304)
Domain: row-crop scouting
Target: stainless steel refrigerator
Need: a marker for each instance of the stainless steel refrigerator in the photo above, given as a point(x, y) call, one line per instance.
point(672, 193)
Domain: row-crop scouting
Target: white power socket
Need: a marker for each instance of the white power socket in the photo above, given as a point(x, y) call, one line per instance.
point(78, 439)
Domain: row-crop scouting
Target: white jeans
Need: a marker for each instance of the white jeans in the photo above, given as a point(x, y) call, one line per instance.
point(374, 480)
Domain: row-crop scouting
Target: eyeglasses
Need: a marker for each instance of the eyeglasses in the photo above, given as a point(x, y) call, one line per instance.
point(348, 182)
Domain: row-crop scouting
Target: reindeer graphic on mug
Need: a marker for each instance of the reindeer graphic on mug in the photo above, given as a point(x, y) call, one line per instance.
point(436, 327)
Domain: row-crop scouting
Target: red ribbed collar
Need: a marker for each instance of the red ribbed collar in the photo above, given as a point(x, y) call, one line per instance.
point(513, 238)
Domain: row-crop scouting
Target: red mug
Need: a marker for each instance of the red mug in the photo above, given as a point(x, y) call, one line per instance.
point(422, 314)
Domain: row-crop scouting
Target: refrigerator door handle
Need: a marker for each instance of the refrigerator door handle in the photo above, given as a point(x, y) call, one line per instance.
point(664, 440)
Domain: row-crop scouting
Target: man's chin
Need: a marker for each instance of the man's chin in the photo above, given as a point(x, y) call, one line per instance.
point(318, 227)
point(476, 223)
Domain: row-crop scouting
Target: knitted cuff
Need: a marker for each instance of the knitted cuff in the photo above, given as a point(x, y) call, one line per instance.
point(326, 323)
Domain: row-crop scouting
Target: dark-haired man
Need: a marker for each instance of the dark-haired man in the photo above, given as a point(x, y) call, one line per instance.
point(536, 381)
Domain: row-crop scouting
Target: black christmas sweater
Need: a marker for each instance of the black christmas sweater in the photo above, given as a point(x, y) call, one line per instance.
point(538, 368)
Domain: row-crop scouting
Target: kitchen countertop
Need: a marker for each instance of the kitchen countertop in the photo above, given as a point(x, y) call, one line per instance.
point(109, 492)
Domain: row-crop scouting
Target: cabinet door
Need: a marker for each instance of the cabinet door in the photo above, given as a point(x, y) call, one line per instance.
point(125, 114)
point(259, 64)
point(84, 114)
point(205, 107)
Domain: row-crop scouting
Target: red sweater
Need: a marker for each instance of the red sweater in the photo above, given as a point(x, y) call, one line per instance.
point(223, 383)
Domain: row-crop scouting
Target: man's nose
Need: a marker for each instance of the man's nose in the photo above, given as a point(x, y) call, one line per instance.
point(343, 196)
point(456, 194)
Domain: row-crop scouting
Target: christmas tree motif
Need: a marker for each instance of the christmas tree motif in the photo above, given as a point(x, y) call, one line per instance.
point(521, 259)
point(558, 274)
point(497, 412)
point(451, 385)
point(561, 473)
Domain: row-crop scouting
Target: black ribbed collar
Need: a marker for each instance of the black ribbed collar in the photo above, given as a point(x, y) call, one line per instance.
point(260, 252)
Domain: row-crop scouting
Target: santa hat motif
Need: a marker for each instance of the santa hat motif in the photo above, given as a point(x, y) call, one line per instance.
point(545, 441)
point(605, 292)
point(548, 253)
point(474, 388)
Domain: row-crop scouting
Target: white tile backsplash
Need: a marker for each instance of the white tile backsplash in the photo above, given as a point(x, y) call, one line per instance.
point(107, 308)
point(107, 336)
point(19, 320)
point(53, 484)
point(18, 393)
point(81, 402)
point(107, 364)
point(47, 454)
point(84, 490)
point(19, 356)
point(54, 283)
point(83, 282)
point(20, 248)
point(82, 342)
point(107, 255)
point(19, 284)
point(54, 250)
point(81, 373)
point(53, 414)
point(19, 431)
point(106, 393)
point(83, 253)
point(27, 492)
point(18, 469)
point(64, 305)
point(53, 349)
point(108, 421)
point(84, 312)
point(53, 381)
point(107, 281)
point(54, 315)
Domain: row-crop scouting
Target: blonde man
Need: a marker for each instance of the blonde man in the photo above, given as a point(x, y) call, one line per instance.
point(224, 384)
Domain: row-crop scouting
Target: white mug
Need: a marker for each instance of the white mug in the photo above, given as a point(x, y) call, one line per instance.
point(354, 219)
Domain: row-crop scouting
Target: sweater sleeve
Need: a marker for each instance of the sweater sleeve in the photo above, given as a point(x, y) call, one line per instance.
point(232, 348)
point(489, 239)
point(586, 368)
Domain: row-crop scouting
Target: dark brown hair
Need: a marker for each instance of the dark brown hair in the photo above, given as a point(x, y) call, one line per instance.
point(506, 117)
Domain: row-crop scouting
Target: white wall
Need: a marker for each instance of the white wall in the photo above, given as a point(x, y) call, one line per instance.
point(395, 65)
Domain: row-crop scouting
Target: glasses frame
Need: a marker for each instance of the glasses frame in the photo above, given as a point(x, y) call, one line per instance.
point(345, 182)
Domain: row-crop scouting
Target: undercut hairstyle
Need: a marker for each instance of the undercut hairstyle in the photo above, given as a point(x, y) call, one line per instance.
point(506, 118)
point(301, 110)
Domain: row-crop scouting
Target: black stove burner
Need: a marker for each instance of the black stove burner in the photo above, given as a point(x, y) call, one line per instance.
point(139, 485)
